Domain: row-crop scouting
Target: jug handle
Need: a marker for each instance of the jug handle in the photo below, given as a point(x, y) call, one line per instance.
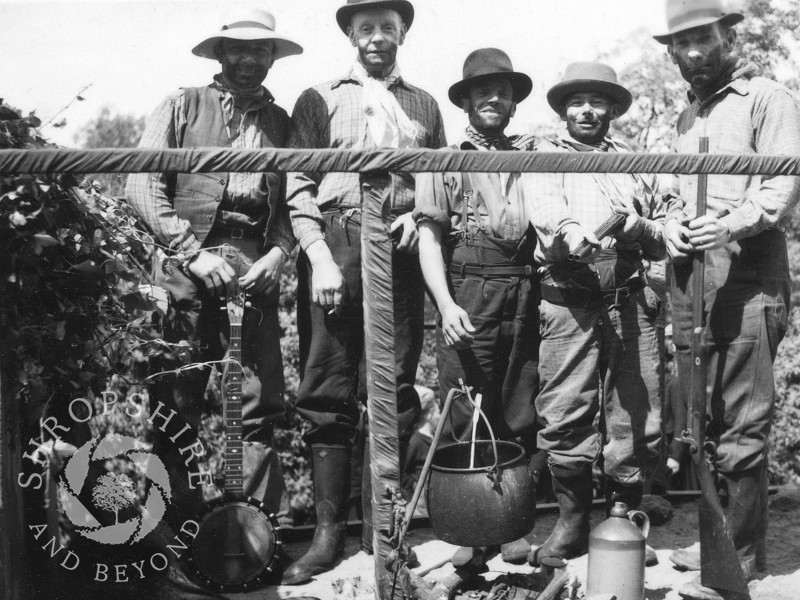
point(641, 520)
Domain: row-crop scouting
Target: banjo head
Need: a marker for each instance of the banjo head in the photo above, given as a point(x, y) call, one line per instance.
point(236, 545)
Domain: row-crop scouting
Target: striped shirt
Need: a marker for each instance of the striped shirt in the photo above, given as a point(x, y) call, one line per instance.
point(587, 199)
point(747, 116)
point(331, 115)
point(149, 193)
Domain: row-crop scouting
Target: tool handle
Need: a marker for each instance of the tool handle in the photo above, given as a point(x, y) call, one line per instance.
point(609, 227)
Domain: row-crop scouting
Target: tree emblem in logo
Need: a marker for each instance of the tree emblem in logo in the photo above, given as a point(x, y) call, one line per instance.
point(113, 492)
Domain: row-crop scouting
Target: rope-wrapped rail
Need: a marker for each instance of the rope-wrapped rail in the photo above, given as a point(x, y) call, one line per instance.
point(224, 160)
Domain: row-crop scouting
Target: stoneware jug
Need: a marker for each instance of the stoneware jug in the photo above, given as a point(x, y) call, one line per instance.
point(617, 554)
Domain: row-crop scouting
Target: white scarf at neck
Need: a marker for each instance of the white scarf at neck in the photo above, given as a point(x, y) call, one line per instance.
point(388, 125)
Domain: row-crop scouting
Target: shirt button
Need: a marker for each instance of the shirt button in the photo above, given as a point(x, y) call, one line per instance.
point(222, 182)
point(217, 198)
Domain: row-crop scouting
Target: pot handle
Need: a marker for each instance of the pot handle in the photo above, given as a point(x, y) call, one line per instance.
point(492, 472)
point(641, 520)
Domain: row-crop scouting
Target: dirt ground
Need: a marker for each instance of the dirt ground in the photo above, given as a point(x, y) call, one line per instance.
point(352, 579)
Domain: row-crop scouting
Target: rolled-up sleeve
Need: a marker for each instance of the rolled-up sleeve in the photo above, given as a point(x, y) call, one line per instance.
point(302, 187)
point(149, 193)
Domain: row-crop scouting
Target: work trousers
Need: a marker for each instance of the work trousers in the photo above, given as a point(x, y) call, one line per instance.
point(501, 362)
point(332, 345)
point(598, 369)
point(197, 323)
point(747, 307)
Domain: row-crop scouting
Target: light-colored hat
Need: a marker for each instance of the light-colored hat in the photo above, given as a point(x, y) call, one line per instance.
point(345, 13)
point(489, 62)
point(687, 14)
point(253, 24)
point(589, 77)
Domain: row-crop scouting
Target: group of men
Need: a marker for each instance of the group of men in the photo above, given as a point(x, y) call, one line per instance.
point(552, 325)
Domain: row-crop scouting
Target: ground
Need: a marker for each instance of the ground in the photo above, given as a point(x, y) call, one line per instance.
point(352, 579)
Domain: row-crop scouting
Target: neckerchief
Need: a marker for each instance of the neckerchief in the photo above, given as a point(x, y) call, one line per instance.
point(388, 125)
point(258, 99)
point(499, 142)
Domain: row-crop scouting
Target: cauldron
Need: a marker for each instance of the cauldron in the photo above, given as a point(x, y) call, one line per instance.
point(489, 504)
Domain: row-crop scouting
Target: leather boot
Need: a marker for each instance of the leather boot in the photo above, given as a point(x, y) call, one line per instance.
point(331, 466)
point(516, 552)
point(745, 498)
point(570, 536)
point(747, 512)
point(631, 495)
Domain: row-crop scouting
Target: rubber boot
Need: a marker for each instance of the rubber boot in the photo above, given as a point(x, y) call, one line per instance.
point(570, 537)
point(331, 466)
point(631, 495)
point(516, 552)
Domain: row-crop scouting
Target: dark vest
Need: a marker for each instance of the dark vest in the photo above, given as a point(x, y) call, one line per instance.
point(196, 196)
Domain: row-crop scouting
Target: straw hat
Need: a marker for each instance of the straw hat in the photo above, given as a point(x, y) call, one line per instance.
point(253, 24)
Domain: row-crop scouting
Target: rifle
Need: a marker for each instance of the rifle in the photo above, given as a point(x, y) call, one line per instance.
point(720, 567)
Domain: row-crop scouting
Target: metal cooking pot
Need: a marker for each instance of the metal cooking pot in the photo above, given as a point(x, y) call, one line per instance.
point(489, 504)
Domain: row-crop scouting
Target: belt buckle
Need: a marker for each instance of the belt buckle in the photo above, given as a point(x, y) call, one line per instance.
point(621, 294)
point(237, 233)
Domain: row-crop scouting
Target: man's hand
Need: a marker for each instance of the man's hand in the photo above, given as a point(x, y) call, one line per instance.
point(215, 273)
point(265, 274)
point(456, 325)
point(708, 232)
point(405, 230)
point(677, 238)
point(574, 235)
point(633, 227)
point(327, 283)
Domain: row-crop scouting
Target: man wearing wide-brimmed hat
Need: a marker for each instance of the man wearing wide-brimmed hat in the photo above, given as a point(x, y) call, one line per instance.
point(487, 333)
point(597, 313)
point(370, 105)
point(216, 230)
point(746, 263)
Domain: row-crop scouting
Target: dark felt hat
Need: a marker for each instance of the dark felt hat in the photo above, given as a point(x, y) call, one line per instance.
point(687, 14)
point(485, 63)
point(346, 12)
point(589, 77)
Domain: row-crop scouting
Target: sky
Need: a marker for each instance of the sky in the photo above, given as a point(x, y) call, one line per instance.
point(132, 53)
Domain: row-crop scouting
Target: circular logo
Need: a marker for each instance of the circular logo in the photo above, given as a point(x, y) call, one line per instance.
point(114, 492)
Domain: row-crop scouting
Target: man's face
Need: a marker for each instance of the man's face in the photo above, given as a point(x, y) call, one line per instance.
point(490, 105)
point(377, 32)
point(702, 54)
point(245, 64)
point(588, 116)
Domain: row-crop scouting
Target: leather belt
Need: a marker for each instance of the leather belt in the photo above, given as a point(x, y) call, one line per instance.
point(457, 268)
point(238, 233)
point(590, 300)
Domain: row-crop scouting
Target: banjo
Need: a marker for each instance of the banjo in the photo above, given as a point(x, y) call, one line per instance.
point(236, 543)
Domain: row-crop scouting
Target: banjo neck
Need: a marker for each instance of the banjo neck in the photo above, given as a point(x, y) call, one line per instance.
point(233, 412)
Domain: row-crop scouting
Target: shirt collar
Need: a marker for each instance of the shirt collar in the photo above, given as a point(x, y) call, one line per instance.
point(608, 144)
point(738, 83)
point(350, 77)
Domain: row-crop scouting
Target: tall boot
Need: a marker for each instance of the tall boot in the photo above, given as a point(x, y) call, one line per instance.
point(570, 536)
point(516, 552)
point(747, 512)
point(331, 465)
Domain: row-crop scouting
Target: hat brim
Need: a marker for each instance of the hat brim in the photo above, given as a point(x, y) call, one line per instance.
point(620, 95)
point(345, 13)
point(283, 46)
point(520, 82)
point(728, 20)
